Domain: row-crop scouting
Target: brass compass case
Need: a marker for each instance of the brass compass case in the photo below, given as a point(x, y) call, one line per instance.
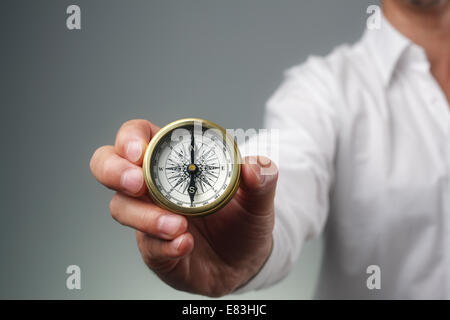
point(149, 163)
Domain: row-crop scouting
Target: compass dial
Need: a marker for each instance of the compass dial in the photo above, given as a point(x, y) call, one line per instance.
point(192, 167)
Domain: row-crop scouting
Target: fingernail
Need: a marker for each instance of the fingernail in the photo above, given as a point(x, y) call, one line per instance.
point(178, 242)
point(264, 162)
point(257, 170)
point(133, 151)
point(169, 224)
point(132, 180)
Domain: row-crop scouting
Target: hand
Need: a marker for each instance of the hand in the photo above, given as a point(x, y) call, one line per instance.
point(210, 255)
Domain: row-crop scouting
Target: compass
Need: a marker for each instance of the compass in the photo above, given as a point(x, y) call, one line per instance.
point(192, 167)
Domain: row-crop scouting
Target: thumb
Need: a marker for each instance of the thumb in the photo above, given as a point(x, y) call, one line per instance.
point(259, 178)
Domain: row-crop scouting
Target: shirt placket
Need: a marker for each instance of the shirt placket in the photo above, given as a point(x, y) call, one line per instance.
point(437, 100)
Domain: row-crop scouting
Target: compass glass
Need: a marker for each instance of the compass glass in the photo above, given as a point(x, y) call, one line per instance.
point(193, 168)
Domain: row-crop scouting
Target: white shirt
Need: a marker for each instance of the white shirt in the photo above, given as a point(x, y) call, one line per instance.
point(364, 157)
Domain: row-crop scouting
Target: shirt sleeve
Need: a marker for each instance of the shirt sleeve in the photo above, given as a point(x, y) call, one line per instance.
point(302, 124)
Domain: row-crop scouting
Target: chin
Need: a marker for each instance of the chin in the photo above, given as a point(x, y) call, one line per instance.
point(427, 3)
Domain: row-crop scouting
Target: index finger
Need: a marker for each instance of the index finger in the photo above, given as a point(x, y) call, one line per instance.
point(132, 139)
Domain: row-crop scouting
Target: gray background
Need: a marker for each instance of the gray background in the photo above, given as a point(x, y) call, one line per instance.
point(64, 93)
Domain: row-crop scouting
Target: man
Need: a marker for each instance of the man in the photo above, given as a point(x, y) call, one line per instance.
point(364, 157)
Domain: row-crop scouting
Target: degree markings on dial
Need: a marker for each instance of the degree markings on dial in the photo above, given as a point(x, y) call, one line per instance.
point(211, 158)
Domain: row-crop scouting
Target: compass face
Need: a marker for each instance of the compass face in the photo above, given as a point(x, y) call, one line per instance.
point(192, 167)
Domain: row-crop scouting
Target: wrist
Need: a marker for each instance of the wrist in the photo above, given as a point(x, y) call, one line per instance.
point(256, 271)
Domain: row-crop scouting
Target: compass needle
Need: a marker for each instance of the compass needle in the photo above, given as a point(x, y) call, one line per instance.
point(185, 175)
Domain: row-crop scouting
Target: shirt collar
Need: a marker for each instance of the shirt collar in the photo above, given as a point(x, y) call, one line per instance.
point(392, 50)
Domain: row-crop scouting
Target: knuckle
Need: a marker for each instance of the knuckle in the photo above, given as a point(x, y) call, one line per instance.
point(134, 123)
point(127, 123)
point(132, 129)
point(158, 260)
point(148, 222)
point(152, 250)
point(109, 167)
point(140, 239)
